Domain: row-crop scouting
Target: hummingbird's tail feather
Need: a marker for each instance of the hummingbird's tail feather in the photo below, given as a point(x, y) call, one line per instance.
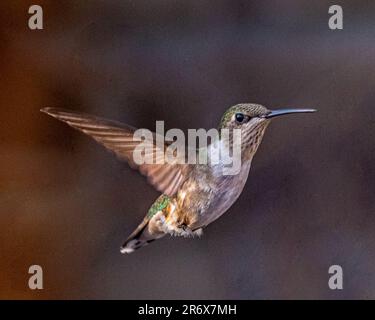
point(139, 238)
point(134, 244)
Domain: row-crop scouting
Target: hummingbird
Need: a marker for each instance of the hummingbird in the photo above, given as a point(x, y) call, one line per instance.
point(192, 195)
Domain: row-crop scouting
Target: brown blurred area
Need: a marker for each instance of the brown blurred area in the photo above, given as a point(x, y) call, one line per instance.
point(67, 205)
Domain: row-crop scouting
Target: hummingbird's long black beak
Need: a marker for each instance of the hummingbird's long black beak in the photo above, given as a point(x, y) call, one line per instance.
point(281, 112)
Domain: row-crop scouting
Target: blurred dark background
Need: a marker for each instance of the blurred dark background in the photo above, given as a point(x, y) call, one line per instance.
point(67, 204)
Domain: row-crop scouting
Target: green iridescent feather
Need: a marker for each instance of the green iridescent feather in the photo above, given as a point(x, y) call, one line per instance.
point(158, 205)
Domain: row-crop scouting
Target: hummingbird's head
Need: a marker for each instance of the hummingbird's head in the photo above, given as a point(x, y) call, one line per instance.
point(252, 119)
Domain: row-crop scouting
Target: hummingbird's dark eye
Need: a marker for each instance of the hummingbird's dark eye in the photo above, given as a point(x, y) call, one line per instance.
point(241, 118)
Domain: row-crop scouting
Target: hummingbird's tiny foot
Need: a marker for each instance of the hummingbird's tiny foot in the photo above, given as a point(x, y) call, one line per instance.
point(183, 226)
point(198, 232)
point(183, 230)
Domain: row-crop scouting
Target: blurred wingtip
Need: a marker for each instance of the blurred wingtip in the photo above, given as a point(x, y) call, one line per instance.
point(51, 111)
point(45, 110)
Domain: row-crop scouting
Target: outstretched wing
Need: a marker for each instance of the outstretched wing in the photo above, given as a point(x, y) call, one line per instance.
point(118, 138)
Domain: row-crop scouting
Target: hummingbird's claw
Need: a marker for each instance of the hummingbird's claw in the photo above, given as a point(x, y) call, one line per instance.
point(183, 226)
